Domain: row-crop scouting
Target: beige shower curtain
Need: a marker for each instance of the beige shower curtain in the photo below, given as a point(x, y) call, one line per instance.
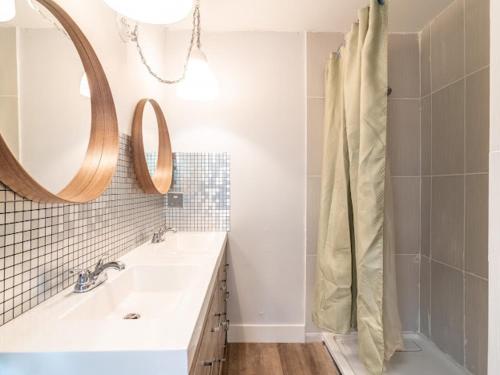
point(355, 284)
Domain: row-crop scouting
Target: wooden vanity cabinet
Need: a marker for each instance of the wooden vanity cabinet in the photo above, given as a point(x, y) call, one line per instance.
point(211, 350)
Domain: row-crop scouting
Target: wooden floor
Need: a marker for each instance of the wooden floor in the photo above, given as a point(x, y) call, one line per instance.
point(279, 359)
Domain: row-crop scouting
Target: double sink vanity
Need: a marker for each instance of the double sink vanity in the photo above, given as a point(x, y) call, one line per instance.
point(164, 313)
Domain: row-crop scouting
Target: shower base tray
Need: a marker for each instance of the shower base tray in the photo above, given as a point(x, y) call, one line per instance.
point(420, 357)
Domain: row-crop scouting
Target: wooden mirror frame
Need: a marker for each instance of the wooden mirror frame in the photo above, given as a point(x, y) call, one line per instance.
point(162, 179)
point(98, 168)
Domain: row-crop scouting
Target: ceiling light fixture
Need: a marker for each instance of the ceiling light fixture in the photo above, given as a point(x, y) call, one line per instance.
point(197, 81)
point(7, 10)
point(158, 12)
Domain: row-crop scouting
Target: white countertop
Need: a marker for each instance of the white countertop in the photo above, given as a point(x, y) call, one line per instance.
point(69, 334)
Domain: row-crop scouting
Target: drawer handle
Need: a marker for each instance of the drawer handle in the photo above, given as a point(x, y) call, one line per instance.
point(209, 363)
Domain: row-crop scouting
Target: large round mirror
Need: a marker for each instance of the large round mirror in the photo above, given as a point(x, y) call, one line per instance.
point(152, 151)
point(59, 136)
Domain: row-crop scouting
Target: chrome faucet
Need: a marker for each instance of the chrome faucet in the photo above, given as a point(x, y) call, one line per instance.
point(159, 236)
point(88, 280)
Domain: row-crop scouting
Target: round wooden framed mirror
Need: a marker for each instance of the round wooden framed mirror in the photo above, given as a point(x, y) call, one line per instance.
point(59, 139)
point(152, 151)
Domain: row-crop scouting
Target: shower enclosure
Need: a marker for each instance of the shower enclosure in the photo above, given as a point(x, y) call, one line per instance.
point(438, 126)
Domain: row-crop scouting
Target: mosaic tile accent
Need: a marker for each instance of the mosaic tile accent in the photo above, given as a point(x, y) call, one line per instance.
point(204, 181)
point(41, 243)
point(151, 161)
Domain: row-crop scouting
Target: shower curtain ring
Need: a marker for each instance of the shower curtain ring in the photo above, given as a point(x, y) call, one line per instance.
point(381, 2)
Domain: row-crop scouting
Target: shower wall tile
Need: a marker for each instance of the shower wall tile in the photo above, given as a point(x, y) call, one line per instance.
point(425, 296)
point(477, 34)
point(448, 129)
point(447, 220)
point(425, 207)
point(425, 61)
point(40, 243)
point(476, 325)
point(315, 117)
point(407, 272)
point(313, 199)
point(426, 135)
point(447, 310)
point(477, 121)
point(404, 137)
point(319, 47)
point(454, 168)
point(404, 67)
point(407, 214)
point(476, 224)
point(447, 46)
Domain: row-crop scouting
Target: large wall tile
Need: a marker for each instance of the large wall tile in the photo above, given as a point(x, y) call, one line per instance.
point(425, 216)
point(477, 122)
point(425, 296)
point(476, 325)
point(447, 46)
point(8, 57)
point(447, 310)
point(476, 224)
point(425, 61)
point(315, 117)
point(313, 199)
point(404, 136)
point(319, 47)
point(477, 34)
point(426, 135)
point(448, 130)
point(407, 271)
point(447, 220)
point(407, 214)
point(404, 70)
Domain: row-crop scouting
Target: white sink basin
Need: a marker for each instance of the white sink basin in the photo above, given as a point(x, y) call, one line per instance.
point(167, 284)
point(149, 291)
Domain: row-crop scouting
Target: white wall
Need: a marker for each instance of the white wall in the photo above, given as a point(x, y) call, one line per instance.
point(260, 120)
point(494, 206)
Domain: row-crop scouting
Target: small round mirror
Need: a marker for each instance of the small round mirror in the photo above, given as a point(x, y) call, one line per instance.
point(152, 151)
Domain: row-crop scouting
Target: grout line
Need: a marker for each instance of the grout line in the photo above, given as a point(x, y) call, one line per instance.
point(429, 315)
point(465, 189)
point(462, 78)
point(455, 174)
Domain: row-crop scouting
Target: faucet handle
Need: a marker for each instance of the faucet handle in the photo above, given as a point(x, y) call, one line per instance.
point(84, 275)
point(100, 262)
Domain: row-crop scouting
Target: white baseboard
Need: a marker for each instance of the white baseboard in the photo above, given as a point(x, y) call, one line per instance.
point(266, 333)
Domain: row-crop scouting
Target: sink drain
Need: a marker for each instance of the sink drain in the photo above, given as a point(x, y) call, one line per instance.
point(132, 316)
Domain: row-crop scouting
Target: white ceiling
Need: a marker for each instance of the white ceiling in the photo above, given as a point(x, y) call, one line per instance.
point(309, 15)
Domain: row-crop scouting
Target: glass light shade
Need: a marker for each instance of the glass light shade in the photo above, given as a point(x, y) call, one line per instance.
point(159, 12)
point(84, 86)
point(7, 10)
point(200, 82)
